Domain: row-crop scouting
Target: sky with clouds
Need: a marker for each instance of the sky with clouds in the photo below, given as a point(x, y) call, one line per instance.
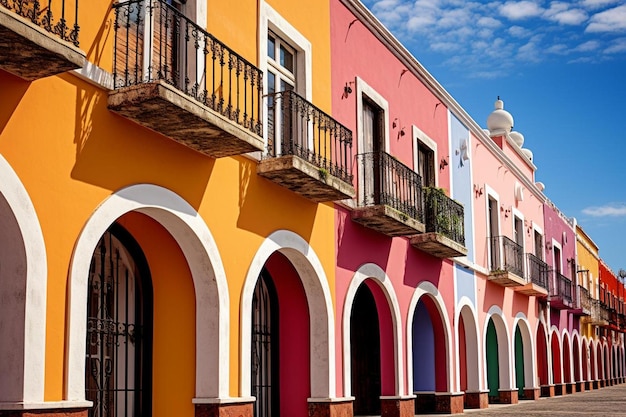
point(560, 68)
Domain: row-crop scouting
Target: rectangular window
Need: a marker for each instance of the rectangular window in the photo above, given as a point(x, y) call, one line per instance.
point(426, 164)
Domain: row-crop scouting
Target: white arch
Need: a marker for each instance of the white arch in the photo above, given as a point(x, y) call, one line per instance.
point(585, 355)
point(466, 309)
point(374, 272)
point(23, 309)
point(577, 365)
point(504, 349)
point(546, 333)
point(555, 330)
point(322, 329)
point(211, 289)
point(530, 367)
point(428, 288)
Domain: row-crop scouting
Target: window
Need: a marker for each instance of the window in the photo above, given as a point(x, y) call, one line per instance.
point(426, 164)
point(519, 231)
point(538, 245)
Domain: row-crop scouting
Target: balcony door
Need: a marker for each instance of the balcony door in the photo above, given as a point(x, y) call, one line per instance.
point(281, 77)
point(492, 231)
point(373, 145)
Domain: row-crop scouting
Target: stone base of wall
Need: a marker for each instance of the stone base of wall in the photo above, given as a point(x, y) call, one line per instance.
point(559, 389)
point(588, 385)
point(397, 407)
point(596, 384)
point(547, 390)
point(62, 412)
point(477, 399)
point(531, 394)
point(508, 396)
point(424, 402)
point(448, 403)
point(580, 386)
point(602, 383)
point(570, 388)
point(224, 410)
point(331, 409)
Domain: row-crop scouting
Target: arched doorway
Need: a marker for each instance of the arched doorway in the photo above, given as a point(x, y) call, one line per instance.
point(23, 277)
point(542, 356)
point(576, 359)
point(429, 348)
point(524, 363)
point(557, 376)
point(593, 362)
point(600, 368)
point(567, 363)
point(498, 359)
point(119, 328)
point(607, 363)
point(585, 361)
point(280, 379)
point(467, 341)
point(519, 362)
point(365, 352)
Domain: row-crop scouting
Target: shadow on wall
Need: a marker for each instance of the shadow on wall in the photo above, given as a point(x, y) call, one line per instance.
point(13, 90)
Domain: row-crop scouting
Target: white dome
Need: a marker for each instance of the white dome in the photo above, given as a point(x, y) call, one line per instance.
point(499, 120)
point(540, 185)
point(528, 153)
point(517, 138)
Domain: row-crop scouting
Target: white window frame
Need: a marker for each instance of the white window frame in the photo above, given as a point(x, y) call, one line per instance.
point(420, 136)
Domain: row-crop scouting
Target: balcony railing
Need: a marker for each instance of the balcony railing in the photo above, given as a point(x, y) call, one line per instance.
point(157, 46)
point(538, 271)
point(387, 181)
point(506, 255)
point(390, 196)
point(583, 300)
point(59, 17)
point(297, 127)
point(443, 215)
point(560, 291)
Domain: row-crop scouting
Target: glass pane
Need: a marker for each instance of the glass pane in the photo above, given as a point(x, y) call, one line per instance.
point(286, 59)
point(271, 47)
point(284, 86)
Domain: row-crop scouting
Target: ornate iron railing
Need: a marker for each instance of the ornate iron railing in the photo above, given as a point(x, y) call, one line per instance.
point(386, 181)
point(538, 271)
point(506, 255)
point(59, 17)
point(299, 128)
point(154, 41)
point(444, 215)
point(583, 301)
point(561, 287)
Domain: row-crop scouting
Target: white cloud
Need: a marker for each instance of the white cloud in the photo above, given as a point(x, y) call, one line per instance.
point(617, 46)
point(597, 4)
point(519, 32)
point(588, 46)
point(611, 20)
point(558, 49)
point(519, 10)
point(562, 14)
point(609, 210)
point(488, 22)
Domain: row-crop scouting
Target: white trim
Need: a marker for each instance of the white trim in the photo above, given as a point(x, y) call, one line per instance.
point(322, 328)
point(23, 357)
point(46, 405)
point(377, 274)
point(428, 288)
point(211, 289)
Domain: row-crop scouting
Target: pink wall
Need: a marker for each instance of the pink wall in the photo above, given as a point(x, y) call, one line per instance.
point(355, 52)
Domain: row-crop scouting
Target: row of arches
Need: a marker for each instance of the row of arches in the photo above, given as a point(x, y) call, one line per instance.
point(286, 314)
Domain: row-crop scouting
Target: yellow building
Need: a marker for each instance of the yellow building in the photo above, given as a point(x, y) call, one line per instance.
point(140, 251)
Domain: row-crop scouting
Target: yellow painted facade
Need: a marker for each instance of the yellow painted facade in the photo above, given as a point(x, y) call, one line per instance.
point(587, 256)
point(71, 153)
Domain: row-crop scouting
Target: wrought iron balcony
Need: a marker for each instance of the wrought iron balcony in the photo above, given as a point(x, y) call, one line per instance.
point(390, 197)
point(39, 38)
point(560, 291)
point(537, 276)
point(172, 76)
point(308, 151)
point(598, 314)
point(445, 226)
point(581, 303)
point(507, 262)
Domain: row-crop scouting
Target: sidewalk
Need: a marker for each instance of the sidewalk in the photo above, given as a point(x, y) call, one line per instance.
point(605, 402)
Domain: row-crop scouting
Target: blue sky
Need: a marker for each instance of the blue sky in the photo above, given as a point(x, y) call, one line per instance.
point(560, 68)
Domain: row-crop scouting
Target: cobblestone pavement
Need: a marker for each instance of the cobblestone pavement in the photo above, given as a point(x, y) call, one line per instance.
point(605, 402)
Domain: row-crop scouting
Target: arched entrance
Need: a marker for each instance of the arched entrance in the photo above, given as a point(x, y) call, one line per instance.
point(586, 359)
point(607, 363)
point(542, 356)
point(599, 366)
point(280, 379)
point(23, 306)
point(365, 352)
point(576, 359)
point(557, 375)
point(567, 363)
point(468, 354)
point(429, 348)
point(524, 364)
point(593, 363)
point(497, 354)
point(119, 328)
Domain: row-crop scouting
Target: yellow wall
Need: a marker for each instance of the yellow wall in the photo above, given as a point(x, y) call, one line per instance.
point(71, 153)
point(587, 258)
